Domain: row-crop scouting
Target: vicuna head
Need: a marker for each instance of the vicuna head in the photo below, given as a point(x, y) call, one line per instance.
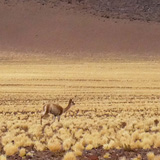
point(71, 102)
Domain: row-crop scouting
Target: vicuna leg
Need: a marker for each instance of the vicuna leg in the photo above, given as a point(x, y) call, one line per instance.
point(44, 112)
point(42, 117)
point(54, 118)
point(58, 118)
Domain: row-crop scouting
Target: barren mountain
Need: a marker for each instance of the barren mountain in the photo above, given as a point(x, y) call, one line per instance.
point(143, 10)
point(90, 28)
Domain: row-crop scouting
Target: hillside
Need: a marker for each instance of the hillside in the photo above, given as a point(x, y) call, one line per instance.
point(143, 10)
point(81, 29)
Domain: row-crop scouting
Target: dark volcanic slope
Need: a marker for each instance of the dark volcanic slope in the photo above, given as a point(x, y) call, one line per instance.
point(143, 10)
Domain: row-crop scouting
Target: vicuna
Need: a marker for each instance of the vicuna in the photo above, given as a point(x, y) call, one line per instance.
point(56, 110)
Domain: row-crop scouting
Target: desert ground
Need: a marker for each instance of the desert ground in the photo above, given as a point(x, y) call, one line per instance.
point(116, 113)
point(53, 51)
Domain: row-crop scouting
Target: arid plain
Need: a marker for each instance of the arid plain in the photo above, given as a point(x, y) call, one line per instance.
point(117, 107)
point(51, 52)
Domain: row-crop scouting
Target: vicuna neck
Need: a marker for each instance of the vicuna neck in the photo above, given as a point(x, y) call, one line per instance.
point(67, 108)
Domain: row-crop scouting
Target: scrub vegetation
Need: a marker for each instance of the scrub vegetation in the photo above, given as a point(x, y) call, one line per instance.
point(116, 107)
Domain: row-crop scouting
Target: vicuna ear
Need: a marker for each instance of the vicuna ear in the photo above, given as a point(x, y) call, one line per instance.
point(70, 100)
point(74, 98)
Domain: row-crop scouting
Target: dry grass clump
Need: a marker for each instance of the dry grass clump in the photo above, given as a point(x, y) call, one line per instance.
point(69, 156)
point(41, 147)
point(157, 140)
point(10, 149)
point(78, 148)
point(107, 155)
point(3, 157)
point(150, 156)
point(67, 144)
point(36, 130)
point(22, 140)
point(22, 152)
point(79, 145)
point(78, 152)
point(122, 158)
point(54, 146)
point(29, 154)
point(89, 147)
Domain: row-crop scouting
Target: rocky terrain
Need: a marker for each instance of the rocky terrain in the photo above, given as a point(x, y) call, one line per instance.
point(143, 10)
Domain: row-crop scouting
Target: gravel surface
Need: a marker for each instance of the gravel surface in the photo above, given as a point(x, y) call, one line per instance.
point(94, 154)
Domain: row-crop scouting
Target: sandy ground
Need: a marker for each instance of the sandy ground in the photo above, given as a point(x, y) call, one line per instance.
point(32, 27)
point(112, 88)
point(35, 42)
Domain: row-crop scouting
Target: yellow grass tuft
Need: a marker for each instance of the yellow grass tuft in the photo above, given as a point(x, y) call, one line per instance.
point(54, 146)
point(69, 156)
point(3, 157)
point(122, 158)
point(107, 155)
point(150, 156)
point(78, 146)
point(157, 142)
point(89, 147)
point(67, 144)
point(39, 146)
point(10, 149)
point(29, 154)
point(22, 152)
point(77, 152)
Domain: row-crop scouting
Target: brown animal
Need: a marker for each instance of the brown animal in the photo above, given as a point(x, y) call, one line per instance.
point(56, 110)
